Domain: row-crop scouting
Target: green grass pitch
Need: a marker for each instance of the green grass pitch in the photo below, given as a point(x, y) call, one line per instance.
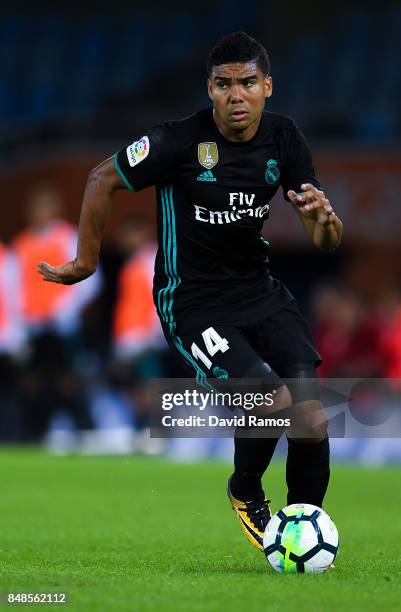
point(147, 534)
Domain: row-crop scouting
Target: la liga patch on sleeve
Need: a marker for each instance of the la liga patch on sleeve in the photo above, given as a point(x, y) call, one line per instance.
point(138, 151)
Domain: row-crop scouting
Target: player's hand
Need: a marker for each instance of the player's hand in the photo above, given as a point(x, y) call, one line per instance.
point(312, 204)
point(68, 274)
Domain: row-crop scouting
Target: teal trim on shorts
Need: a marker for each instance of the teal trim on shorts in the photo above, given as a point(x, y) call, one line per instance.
point(120, 172)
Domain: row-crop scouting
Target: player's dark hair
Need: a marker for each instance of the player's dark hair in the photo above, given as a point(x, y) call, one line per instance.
point(240, 48)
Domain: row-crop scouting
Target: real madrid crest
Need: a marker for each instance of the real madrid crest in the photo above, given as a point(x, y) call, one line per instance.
point(208, 154)
point(272, 172)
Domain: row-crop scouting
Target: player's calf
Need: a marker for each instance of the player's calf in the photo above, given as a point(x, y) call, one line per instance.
point(308, 459)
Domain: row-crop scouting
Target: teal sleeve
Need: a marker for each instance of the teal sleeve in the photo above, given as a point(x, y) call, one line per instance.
point(121, 173)
point(150, 158)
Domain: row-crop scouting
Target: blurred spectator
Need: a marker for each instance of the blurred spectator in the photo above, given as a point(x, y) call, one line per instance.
point(136, 326)
point(348, 335)
point(391, 337)
point(12, 344)
point(139, 347)
point(52, 317)
point(12, 333)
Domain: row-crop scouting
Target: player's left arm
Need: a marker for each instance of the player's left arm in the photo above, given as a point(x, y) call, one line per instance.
point(317, 216)
point(304, 191)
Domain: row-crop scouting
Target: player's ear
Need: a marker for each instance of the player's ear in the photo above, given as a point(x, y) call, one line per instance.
point(268, 84)
point(209, 89)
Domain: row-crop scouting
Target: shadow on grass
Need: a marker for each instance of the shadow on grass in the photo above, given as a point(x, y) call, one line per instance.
point(202, 566)
point(225, 565)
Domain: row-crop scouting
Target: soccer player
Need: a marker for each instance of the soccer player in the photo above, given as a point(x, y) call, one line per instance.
point(215, 173)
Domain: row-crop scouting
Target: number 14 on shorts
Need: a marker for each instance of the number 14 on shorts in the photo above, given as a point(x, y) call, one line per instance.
point(213, 343)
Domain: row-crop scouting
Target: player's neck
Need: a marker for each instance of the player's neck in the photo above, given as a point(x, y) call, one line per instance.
point(236, 135)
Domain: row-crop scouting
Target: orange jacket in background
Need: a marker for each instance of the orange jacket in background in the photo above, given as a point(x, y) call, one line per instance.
point(46, 303)
point(40, 299)
point(136, 326)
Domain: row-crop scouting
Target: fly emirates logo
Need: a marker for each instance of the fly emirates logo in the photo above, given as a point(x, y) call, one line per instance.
point(241, 204)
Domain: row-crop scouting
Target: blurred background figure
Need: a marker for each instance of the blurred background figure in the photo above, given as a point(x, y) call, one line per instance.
point(393, 344)
point(139, 348)
point(12, 346)
point(348, 334)
point(52, 318)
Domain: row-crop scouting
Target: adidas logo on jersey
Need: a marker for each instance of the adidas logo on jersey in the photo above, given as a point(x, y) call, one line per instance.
point(207, 176)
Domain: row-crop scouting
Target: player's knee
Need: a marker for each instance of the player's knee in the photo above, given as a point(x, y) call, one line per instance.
point(282, 398)
point(309, 422)
point(302, 381)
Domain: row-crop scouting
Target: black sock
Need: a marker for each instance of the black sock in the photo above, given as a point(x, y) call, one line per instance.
point(251, 459)
point(308, 472)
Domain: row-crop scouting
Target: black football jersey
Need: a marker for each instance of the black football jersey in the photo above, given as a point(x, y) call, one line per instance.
point(213, 197)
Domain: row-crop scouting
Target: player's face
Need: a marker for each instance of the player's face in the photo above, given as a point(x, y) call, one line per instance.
point(238, 92)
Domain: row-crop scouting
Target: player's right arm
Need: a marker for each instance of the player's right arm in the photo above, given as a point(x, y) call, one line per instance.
point(101, 184)
point(147, 161)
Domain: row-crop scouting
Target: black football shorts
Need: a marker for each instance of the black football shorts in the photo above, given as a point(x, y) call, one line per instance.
point(269, 349)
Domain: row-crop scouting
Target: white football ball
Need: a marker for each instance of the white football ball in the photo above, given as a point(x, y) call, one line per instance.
point(300, 538)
